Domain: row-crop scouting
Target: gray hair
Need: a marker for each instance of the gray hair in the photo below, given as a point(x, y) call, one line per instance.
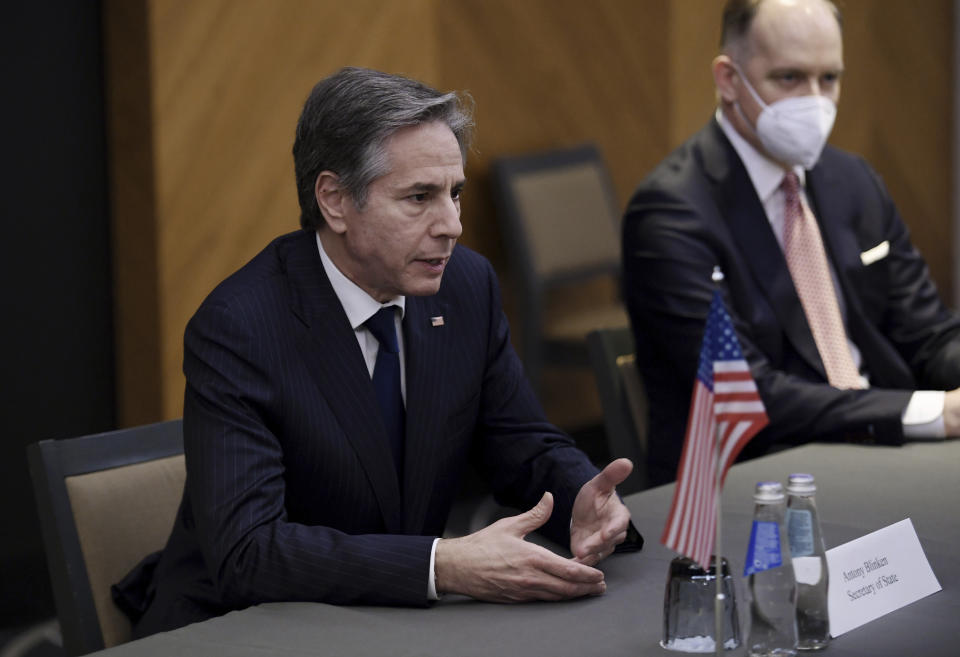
point(346, 121)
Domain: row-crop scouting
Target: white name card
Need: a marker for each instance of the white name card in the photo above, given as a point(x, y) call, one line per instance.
point(876, 574)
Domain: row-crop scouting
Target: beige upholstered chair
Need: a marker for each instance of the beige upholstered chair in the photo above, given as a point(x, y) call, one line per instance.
point(623, 399)
point(105, 502)
point(560, 222)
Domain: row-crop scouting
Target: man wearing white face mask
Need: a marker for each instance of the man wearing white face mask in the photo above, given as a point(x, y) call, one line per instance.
point(842, 327)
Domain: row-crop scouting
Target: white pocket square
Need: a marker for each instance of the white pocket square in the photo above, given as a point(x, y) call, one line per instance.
point(879, 252)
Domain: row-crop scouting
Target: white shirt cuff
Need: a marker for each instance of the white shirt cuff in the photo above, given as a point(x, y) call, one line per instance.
point(923, 416)
point(432, 578)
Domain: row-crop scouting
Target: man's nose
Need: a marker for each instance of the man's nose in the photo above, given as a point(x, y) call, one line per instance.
point(447, 222)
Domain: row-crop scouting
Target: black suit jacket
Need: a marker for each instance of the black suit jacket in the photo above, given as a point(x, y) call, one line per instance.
point(699, 209)
point(291, 490)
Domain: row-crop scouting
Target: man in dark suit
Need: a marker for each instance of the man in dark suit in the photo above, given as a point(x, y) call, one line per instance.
point(843, 329)
point(339, 383)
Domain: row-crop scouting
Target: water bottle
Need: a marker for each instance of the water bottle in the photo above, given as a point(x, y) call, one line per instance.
point(809, 563)
point(770, 578)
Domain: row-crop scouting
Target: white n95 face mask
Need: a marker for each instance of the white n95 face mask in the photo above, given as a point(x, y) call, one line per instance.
point(793, 130)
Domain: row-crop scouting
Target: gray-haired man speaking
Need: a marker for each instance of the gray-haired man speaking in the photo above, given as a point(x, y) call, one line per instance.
point(340, 382)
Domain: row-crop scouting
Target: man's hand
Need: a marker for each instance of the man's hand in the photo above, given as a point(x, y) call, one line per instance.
point(599, 517)
point(497, 565)
point(951, 412)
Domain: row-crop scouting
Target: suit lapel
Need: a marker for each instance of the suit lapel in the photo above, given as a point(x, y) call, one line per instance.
point(428, 353)
point(743, 213)
point(827, 200)
point(824, 193)
point(333, 358)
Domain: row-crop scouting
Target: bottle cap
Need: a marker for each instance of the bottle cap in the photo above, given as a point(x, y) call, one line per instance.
point(801, 484)
point(768, 491)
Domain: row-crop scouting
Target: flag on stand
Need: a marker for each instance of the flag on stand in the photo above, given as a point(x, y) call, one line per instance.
point(725, 407)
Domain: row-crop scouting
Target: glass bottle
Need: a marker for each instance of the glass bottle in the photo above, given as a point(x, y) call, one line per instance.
point(770, 578)
point(809, 563)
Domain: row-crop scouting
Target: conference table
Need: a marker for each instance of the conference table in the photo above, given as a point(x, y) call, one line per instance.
point(860, 489)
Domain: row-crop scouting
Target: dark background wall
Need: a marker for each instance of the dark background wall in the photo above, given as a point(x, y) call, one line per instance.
point(55, 305)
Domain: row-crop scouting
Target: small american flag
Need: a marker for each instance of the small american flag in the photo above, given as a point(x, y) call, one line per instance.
point(436, 321)
point(725, 407)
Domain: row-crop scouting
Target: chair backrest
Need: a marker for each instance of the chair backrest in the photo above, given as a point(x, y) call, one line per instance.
point(560, 221)
point(105, 502)
point(623, 400)
point(560, 213)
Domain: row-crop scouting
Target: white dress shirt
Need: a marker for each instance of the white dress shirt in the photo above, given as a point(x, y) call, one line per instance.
point(359, 307)
point(923, 417)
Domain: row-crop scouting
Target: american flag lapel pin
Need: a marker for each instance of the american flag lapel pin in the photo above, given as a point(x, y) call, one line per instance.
point(436, 321)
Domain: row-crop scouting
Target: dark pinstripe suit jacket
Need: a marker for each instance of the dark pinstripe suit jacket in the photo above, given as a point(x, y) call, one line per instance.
point(291, 492)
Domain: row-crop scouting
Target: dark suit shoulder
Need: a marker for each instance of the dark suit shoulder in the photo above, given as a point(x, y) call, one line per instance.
point(467, 275)
point(679, 169)
point(833, 156)
point(851, 171)
point(468, 263)
point(681, 183)
point(256, 299)
point(264, 270)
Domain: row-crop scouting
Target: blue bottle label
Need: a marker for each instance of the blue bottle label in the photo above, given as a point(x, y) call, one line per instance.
point(800, 531)
point(763, 551)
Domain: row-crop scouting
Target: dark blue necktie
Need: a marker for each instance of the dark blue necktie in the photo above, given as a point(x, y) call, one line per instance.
point(386, 381)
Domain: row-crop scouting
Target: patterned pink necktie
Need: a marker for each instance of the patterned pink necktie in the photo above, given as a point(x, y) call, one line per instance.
point(807, 261)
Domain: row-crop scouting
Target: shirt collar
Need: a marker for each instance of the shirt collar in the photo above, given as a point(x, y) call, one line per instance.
point(357, 304)
point(765, 174)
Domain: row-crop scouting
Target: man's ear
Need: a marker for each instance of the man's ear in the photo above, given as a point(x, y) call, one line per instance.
point(723, 74)
point(332, 200)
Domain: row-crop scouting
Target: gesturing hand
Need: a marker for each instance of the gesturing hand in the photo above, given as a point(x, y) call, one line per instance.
point(600, 519)
point(497, 565)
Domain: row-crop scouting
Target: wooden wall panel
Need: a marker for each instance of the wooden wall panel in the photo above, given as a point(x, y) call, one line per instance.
point(204, 98)
point(548, 74)
point(694, 30)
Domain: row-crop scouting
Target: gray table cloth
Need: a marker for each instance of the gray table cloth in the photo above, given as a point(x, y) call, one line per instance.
point(860, 489)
